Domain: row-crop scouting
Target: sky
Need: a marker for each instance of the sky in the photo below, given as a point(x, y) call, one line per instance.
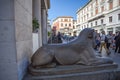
point(64, 8)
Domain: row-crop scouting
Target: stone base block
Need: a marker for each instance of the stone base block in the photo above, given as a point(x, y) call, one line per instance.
point(76, 72)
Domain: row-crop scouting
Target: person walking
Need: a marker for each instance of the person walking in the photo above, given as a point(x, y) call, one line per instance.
point(97, 39)
point(59, 36)
point(113, 42)
point(109, 42)
point(103, 42)
point(117, 42)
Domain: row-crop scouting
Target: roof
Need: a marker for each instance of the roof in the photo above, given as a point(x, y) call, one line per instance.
point(63, 17)
point(83, 6)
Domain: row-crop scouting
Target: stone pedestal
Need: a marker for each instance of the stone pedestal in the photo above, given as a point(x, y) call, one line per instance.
point(76, 72)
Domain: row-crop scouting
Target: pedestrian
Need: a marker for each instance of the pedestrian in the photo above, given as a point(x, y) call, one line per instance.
point(117, 42)
point(103, 42)
point(59, 37)
point(109, 42)
point(113, 42)
point(97, 39)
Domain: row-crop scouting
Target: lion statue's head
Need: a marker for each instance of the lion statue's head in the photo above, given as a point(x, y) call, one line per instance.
point(88, 35)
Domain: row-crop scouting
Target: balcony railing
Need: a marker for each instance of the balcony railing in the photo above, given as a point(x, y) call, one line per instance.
point(96, 17)
point(102, 25)
point(102, 2)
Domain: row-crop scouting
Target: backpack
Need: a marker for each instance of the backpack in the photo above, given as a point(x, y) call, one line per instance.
point(106, 39)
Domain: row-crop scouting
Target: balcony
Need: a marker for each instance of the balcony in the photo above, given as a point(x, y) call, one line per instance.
point(102, 2)
point(102, 25)
point(96, 17)
point(110, 1)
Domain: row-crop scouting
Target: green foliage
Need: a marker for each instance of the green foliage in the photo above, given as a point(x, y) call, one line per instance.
point(49, 33)
point(35, 24)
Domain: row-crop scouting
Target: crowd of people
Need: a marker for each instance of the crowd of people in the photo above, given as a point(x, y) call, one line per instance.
point(55, 38)
point(60, 38)
point(102, 40)
point(108, 41)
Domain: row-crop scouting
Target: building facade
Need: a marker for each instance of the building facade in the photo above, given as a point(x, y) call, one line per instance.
point(16, 46)
point(64, 24)
point(75, 28)
point(100, 15)
point(48, 29)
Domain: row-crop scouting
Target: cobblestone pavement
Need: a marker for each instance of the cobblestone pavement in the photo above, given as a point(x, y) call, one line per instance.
point(114, 56)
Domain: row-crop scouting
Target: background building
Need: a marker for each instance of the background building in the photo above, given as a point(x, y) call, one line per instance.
point(100, 15)
point(48, 29)
point(75, 29)
point(64, 24)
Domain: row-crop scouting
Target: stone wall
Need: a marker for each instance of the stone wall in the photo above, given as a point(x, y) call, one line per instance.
point(15, 38)
point(16, 35)
point(23, 36)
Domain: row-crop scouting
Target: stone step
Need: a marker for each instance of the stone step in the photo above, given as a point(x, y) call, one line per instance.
point(96, 75)
point(76, 72)
point(61, 70)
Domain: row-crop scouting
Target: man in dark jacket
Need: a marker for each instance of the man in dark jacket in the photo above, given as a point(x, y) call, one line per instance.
point(117, 42)
point(59, 37)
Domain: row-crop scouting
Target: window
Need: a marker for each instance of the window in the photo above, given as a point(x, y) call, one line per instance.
point(91, 14)
point(84, 26)
point(101, 21)
point(87, 25)
point(102, 8)
point(118, 16)
point(91, 6)
point(110, 5)
point(96, 23)
point(110, 19)
point(69, 24)
point(91, 24)
point(66, 20)
point(69, 19)
point(96, 11)
point(96, 2)
point(73, 27)
point(84, 18)
point(87, 8)
point(87, 16)
point(61, 24)
point(61, 19)
point(65, 24)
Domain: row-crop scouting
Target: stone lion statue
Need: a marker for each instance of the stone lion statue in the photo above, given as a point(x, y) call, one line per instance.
point(79, 51)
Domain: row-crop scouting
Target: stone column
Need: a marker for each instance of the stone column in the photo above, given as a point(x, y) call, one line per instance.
point(44, 26)
point(37, 15)
point(8, 65)
point(114, 30)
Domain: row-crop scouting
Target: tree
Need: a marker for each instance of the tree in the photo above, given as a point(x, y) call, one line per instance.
point(35, 24)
